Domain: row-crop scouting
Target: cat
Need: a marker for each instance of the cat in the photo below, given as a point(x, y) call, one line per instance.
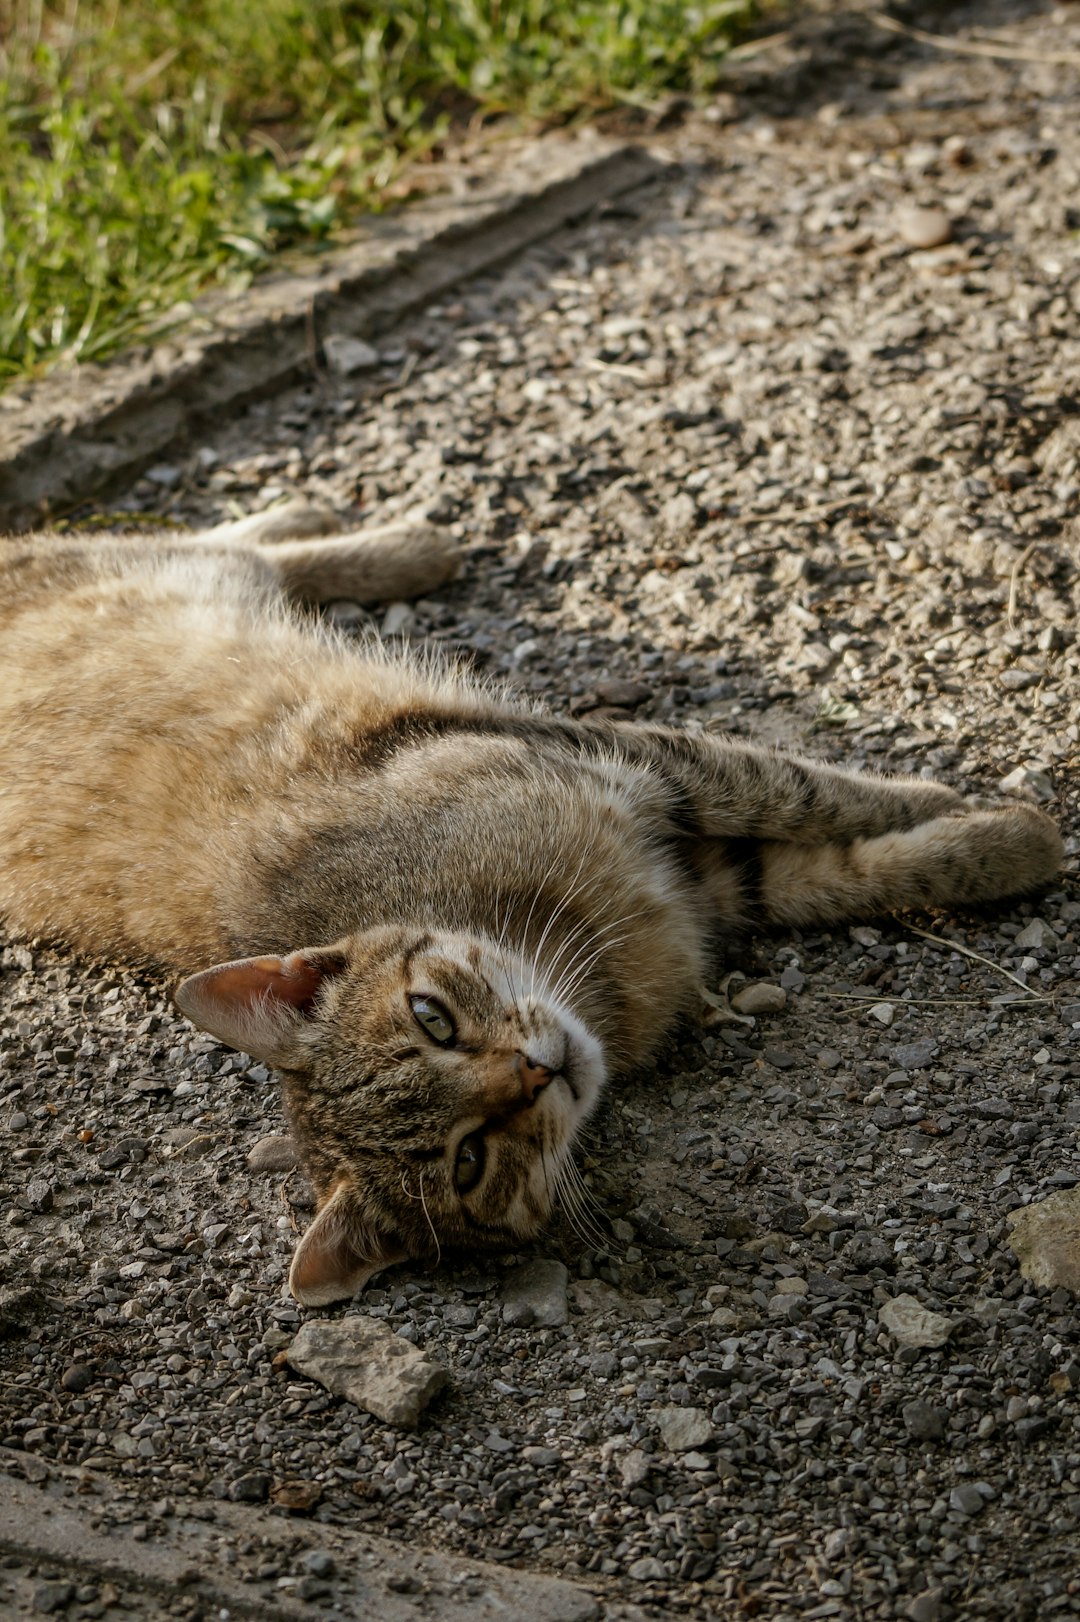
point(444, 916)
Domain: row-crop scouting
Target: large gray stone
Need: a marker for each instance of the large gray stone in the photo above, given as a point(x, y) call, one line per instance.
point(1046, 1239)
point(362, 1360)
point(912, 1324)
point(684, 1428)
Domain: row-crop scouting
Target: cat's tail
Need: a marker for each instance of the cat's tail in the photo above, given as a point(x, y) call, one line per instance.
point(315, 562)
point(408, 559)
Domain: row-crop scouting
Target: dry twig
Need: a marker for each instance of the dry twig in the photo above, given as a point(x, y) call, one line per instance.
point(977, 957)
point(1004, 51)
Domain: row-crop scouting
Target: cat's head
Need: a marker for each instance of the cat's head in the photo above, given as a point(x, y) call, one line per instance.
point(434, 1084)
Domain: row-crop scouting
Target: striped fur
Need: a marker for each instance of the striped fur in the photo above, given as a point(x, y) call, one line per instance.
point(328, 838)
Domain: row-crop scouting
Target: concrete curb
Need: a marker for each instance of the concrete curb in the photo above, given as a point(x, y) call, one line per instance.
point(76, 1530)
point(88, 429)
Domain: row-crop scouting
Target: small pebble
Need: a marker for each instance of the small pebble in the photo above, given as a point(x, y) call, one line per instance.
point(1036, 936)
point(924, 1421)
point(320, 1563)
point(683, 1429)
point(252, 1488)
point(346, 355)
point(273, 1153)
point(967, 1500)
point(647, 1570)
point(923, 227)
point(622, 694)
point(53, 1596)
point(761, 998)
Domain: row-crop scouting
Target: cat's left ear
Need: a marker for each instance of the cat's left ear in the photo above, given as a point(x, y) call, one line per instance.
point(335, 1258)
point(260, 1005)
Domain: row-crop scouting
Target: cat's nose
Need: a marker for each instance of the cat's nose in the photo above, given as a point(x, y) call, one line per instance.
point(533, 1076)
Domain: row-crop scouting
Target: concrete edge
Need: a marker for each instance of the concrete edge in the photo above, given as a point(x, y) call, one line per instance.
point(76, 1526)
point(86, 430)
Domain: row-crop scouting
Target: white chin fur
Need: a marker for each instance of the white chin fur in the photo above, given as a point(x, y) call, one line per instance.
point(586, 1067)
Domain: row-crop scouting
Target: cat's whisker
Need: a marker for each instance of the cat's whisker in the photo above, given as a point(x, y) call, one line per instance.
point(572, 892)
point(431, 1225)
point(549, 870)
point(598, 1239)
point(409, 1195)
point(567, 990)
point(598, 938)
point(574, 889)
point(597, 1215)
point(569, 947)
point(500, 940)
point(576, 1201)
point(568, 976)
point(498, 945)
point(602, 941)
point(569, 1209)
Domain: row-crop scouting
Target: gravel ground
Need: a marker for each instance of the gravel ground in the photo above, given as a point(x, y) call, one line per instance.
point(743, 443)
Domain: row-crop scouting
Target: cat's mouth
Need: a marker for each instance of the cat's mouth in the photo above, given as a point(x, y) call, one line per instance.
point(583, 1069)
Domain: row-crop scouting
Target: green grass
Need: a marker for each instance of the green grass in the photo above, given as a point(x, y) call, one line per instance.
point(149, 150)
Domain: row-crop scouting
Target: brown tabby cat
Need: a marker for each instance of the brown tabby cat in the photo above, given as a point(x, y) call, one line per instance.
point(450, 917)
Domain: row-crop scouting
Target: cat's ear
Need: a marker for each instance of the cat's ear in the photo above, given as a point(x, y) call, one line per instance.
point(332, 1260)
point(260, 1004)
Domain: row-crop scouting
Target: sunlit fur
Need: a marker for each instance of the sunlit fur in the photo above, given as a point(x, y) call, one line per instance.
point(196, 775)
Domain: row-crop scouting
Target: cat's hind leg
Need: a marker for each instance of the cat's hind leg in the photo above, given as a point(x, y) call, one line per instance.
point(406, 559)
point(724, 788)
point(946, 862)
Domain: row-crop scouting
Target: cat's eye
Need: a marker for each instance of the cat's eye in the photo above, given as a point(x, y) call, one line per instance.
point(432, 1017)
point(469, 1165)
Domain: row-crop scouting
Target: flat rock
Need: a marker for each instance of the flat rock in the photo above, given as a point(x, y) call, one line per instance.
point(760, 998)
point(623, 694)
point(535, 1294)
point(1046, 1240)
point(1029, 783)
point(362, 1360)
point(273, 1154)
point(923, 1420)
point(912, 1324)
point(346, 355)
point(683, 1429)
point(915, 1055)
point(1036, 936)
point(923, 227)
